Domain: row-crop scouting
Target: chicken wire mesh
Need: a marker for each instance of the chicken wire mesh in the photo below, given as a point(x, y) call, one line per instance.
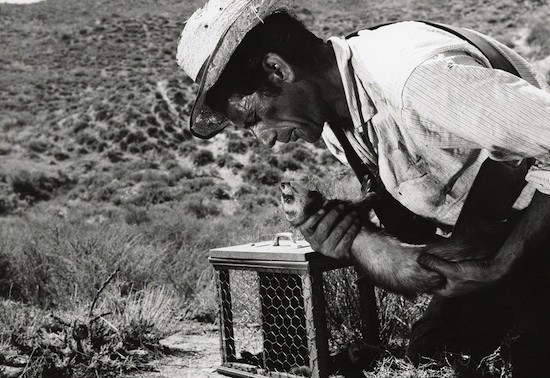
point(268, 323)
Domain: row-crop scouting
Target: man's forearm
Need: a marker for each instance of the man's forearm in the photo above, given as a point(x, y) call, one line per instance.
point(391, 264)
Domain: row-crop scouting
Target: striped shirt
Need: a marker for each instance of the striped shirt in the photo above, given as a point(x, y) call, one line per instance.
point(434, 110)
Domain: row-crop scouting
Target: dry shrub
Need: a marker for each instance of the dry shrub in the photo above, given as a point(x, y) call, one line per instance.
point(38, 186)
point(140, 318)
point(397, 314)
point(237, 146)
point(203, 157)
point(204, 305)
point(221, 192)
point(53, 261)
point(261, 173)
point(201, 207)
point(302, 155)
point(136, 215)
point(394, 367)
point(121, 335)
point(539, 38)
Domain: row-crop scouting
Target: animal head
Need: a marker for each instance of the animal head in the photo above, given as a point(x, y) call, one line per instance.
point(298, 201)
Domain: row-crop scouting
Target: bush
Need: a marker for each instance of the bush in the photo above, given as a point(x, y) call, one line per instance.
point(300, 154)
point(273, 161)
point(244, 190)
point(327, 158)
point(226, 160)
point(203, 157)
point(222, 192)
point(195, 185)
point(136, 215)
point(125, 338)
point(188, 147)
point(287, 163)
point(38, 186)
point(8, 201)
point(237, 146)
point(262, 174)
point(539, 37)
point(201, 207)
point(253, 203)
point(177, 173)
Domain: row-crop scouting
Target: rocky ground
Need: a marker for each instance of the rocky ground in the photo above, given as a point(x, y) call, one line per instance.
point(196, 353)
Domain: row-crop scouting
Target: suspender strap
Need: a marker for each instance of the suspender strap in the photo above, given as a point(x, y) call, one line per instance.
point(494, 56)
point(395, 217)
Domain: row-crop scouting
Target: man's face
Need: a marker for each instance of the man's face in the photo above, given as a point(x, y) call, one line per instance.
point(296, 112)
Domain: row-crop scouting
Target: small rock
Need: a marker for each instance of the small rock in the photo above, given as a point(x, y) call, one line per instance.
point(17, 361)
point(138, 353)
point(10, 371)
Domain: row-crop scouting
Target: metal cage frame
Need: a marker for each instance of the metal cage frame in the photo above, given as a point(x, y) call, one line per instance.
point(274, 261)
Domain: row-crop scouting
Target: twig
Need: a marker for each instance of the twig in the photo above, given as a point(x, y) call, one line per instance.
point(101, 290)
point(100, 316)
point(109, 323)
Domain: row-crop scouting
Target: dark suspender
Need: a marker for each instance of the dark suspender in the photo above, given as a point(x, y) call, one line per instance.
point(493, 192)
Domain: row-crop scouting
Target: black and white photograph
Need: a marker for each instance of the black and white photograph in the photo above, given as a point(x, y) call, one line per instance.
point(274, 188)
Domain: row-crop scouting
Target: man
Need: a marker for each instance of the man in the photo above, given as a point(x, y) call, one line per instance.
point(423, 110)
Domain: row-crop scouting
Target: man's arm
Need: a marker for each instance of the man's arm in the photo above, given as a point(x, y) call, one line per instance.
point(527, 236)
point(503, 114)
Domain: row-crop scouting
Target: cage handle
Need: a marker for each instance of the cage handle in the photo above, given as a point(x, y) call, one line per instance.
point(284, 235)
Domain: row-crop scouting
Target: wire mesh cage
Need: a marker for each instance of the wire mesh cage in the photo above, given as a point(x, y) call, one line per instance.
point(285, 310)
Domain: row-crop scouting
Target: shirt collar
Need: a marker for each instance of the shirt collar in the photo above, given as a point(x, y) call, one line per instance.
point(343, 53)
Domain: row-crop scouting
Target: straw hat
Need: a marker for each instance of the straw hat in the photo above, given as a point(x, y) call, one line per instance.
point(206, 43)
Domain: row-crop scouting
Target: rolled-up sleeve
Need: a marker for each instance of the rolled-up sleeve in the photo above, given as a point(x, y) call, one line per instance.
point(492, 109)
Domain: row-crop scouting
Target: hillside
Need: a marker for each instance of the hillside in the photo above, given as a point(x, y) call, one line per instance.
point(104, 195)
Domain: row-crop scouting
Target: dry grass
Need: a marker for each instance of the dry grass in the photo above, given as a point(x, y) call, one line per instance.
point(393, 367)
point(100, 174)
point(121, 335)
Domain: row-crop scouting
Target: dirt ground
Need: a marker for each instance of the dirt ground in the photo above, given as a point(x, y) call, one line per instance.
point(196, 353)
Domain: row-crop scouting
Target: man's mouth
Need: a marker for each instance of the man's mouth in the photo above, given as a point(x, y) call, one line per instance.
point(284, 133)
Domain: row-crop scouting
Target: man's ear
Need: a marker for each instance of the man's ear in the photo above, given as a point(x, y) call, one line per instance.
point(277, 69)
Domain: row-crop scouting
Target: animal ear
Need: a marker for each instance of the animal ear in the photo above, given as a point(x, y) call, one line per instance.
point(315, 201)
point(315, 195)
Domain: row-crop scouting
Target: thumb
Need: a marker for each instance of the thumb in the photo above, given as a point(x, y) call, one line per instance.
point(437, 264)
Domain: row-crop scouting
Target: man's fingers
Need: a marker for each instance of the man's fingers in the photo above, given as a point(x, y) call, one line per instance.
point(431, 262)
point(325, 226)
point(308, 227)
point(341, 229)
point(436, 281)
point(346, 240)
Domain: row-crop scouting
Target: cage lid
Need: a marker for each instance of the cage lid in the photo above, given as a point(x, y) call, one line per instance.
point(283, 247)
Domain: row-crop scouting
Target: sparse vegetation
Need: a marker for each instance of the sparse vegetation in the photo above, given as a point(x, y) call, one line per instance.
point(203, 157)
point(262, 174)
point(104, 174)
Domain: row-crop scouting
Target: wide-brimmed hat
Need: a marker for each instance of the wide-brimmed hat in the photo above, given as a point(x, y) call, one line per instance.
point(206, 44)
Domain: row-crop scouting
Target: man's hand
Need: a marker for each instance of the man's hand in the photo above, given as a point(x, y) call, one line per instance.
point(462, 276)
point(331, 231)
point(526, 237)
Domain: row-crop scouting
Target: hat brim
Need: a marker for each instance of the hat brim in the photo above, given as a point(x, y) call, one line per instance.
point(205, 122)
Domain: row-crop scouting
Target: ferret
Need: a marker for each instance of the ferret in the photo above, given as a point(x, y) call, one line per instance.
point(389, 263)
